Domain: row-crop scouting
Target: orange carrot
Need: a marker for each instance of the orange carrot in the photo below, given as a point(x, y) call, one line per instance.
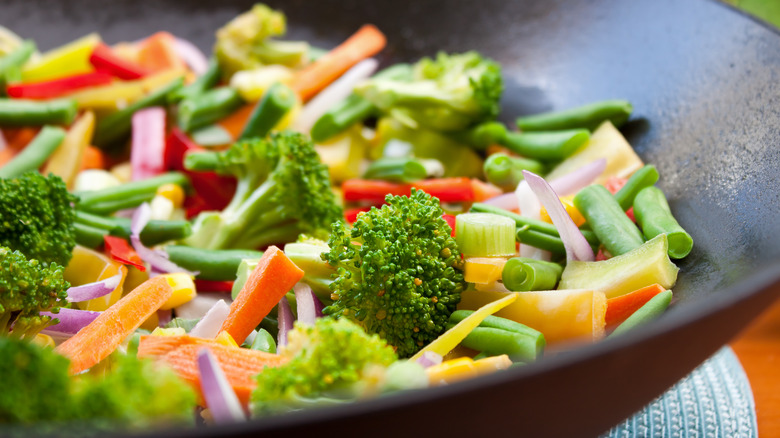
point(156, 53)
point(274, 276)
point(158, 346)
point(19, 138)
point(93, 159)
point(240, 365)
point(620, 308)
point(235, 122)
point(6, 155)
point(366, 42)
point(100, 338)
point(484, 191)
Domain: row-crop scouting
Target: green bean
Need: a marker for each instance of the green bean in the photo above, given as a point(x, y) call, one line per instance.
point(200, 85)
point(400, 169)
point(133, 193)
point(117, 126)
point(276, 103)
point(155, 232)
point(613, 228)
point(493, 321)
point(519, 347)
point(13, 62)
point(652, 212)
point(546, 146)
point(523, 274)
point(186, 323)
point(547, 242)
point(644, 177)
point(482, 135)
point(88, 236)
point(651, 310)
point(264, 341)
point(207, 108)
point(507, 172)
point(533, 224)
point(587, 116)
point(213, 264)
point(23, 112)
point(32, 157)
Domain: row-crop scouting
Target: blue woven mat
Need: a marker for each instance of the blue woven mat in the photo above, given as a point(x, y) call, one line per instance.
point(714, 401)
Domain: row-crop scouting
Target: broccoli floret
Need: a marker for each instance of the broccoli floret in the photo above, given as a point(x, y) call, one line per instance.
point(283, 190)
point(331, 362)
point(28, 287)
point(245, 42)
point(397, 271)
point(36, 217)
point(449, 93)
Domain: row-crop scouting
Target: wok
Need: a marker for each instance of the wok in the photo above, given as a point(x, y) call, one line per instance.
point(705, 84)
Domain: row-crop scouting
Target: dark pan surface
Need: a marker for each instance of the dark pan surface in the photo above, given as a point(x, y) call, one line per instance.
point(705, 83)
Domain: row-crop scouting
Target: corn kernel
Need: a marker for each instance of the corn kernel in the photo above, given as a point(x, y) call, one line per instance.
point(172, 192)
point(225, 339)
point(183, 290)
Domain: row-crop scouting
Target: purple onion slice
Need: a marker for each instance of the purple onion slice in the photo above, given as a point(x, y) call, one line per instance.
point(285, 321)
point(94, 290)
point(309, 306)
point(220, 398)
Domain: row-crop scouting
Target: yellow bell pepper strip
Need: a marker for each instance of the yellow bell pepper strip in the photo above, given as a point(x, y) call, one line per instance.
point(65, 162)
point(184, 290)
point(568, 204)
point(464, 368)
point(88, 266)
point(68, 60)
point(110, 97)
point(451, 338)
point(483, 270)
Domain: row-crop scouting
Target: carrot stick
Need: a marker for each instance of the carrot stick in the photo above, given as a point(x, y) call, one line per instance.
point(484, 191)
point(100, 338)
point(239, 364)
point(6, 155)
point(274, 276)
point(620, 308)
point(156, 53)
point(235, 122)
point(366, 42)
point(93, 159)
point(158, 346)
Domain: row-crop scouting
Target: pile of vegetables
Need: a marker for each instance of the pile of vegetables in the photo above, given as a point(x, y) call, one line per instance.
point(189, 240)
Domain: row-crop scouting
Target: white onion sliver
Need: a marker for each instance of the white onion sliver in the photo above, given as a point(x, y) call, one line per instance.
point(71, 320)
point(527, 201)
point(533, 252)
point(158, 260)
point(197, 307)
point(429, 359)
point(208, 327)
point(577, 248)
point(309, 306)
point(191, 55)
point(576, 180)
point(221, 400)
point(285, 321)
point(507, 201)
point(94, 290)
point(147, 151)
point(334, 93)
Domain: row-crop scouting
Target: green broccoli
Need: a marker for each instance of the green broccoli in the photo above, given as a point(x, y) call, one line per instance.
point(283, 190)
point(245, 42)
point(397, 271)
point(332, 362)
point(37, 217)
point(28, 287)
point(450, 93)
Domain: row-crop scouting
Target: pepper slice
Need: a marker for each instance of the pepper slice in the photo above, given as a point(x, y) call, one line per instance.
point(105, 60)
point(57, 87)
point(118, 249)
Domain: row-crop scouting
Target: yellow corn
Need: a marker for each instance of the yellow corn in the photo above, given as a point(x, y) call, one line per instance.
point(465, 368)
point(225, 339)
point(183, 290)
point(173, 331)
point(568, 204)
point(172, 192)
point(483, 270)
point(43, 340)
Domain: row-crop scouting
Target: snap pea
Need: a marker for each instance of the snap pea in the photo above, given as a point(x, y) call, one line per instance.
point(546, 146)
point(401, 169)
point(276, 103)
point(23, 112)
point(532, 224)
point(88, 236)
point(13, 61)
point(264, 341)
point(644, 177)
point(507, 172)
point(482, 135)
point(213, 264)
point(200, 85)
point(524, 274)
point(651, 310)
point(32, 157)
point(205, 109)
point(652, 212)
point(587, 116)
point(613, 228)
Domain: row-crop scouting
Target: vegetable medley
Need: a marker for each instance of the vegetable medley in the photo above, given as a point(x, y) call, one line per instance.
point(279, 227)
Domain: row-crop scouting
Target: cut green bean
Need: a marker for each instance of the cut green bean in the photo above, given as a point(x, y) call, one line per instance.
point(155, 232)
point(507, 172)
point(212, 264)
point(522, 274)
point(587, 116)
point(644, 177)
point(496, 335)
point(90, 237)
point(603, 213)
point(32, 157)
point(200, 85)
point(127, 195)
point(264, 341)
point(493, 321)
point(400, 169)
point(547, 242)
point(207, 108)
point(654, 216)
point(650, 311)
point(546, 146)
point(23, 112)
point(276, 103)
point(13, 62)
point(117, 126)
point(482, 135)
point(212, 135)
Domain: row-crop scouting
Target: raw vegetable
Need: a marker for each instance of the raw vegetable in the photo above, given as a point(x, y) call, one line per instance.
point(127, 195)
point(208, 107)
point(507, 172)
point(496, 336)
point(56, 87)
point(22, 112)
point(210, 264)
point(522, 274)
point(66, 160)
point(14, 60)
point(264, 342)
point(485, 235)
point(402, 170)
point(483, 270)
point(35, 154)
point(654, 216)
point(105, 60)
point(220, 398)
point(67, 60)
point(644, 177)
point(606, 218)
point(621, 307)
point(276, 103)
point(587, 116)
point(546, 146)
point(650, 311)
point(200, 85)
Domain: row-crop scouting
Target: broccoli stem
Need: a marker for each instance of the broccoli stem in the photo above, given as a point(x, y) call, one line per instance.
point(208, 107)
point(217, 265)
point(200, 85)
point(507, 172)
point(644, 177)
point(277, 102)
point(403, 170)
point(546, 146)
point(522, 274)
point(127, 195)
point(587, 116)
point(35, 154)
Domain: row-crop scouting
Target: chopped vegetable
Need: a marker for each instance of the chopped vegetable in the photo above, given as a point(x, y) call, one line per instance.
point(546, 146)
point(402, 170)
point(650, 311)
point(522, 274)
point(621, 307)
point(507, 172)
point(644, 177)
point(22, 112)
point(105, 60)
point(56, 87)
point(276, 103)
point(66, 160)
point(68, 60)
point(35, 154)
point(208, 107)
point(485, 235)
point(654, 216)
point(496, 336)
point(587, 116)
point(211, 264)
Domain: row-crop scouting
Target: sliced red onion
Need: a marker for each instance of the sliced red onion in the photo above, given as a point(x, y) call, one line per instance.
point(164, 317)
point(94, 290)
point(221, 400)
point(199, 306)
point(208, 326)
point(158, 260)
point(309, 306)
point(577, 248)
point(71, 321)
point(575, 180)
point(507, 201)
point(334, 93)
point(285, 320)
point(191, 55)
point(147, 152)
point(429, 359)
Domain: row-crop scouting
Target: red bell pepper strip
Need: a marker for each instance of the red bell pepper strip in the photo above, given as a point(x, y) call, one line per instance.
point(450, 219)
point(484, 191)
point(448, 189)
point(57, 87)
point(352, 214)
point(105, 60)
point(213, 286)
point(620, 308)
point(121, 251)
point(372, 190)
point(614, 184)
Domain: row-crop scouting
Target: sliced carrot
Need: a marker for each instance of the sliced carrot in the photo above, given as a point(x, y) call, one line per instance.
point(366, 42)
point(484, 191)
point(274, 276)
point(240, 365)
point(157, 346)
point(235, 122)
point(93, 159)
point(620, 308)
point(102, 336)
point(6, 155)
point(156, 53)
